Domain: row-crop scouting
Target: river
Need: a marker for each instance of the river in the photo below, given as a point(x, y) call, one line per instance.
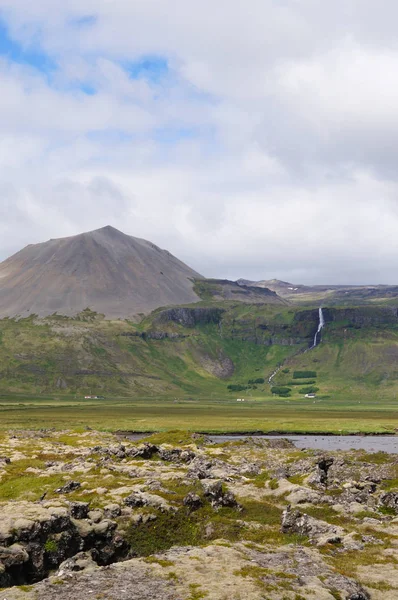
point(369, 443)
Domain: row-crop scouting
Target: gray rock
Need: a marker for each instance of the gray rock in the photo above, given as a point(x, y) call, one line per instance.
point(173, 455)
point(111, 511)
point(321, 474)
point(390, 500)
point(192, 501)
point(200, 468)
point(320, 532)
point(79, 562)
point(95, 515)
point(214, 492)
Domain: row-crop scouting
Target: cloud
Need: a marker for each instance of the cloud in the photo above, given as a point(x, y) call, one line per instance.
point(251, 139)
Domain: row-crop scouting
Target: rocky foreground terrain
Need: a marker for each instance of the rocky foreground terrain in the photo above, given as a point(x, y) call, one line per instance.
point(177, 517)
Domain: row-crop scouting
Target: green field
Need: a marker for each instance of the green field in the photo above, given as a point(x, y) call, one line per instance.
point(215, 415)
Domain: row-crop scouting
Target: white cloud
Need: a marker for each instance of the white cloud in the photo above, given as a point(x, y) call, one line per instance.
point(267, 148)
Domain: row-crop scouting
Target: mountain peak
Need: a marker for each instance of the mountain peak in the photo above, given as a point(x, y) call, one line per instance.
point(109, 230)
point(106, 270)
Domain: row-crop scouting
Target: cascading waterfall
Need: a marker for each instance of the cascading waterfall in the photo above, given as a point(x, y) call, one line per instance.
point(317, 339)
point(320, 327)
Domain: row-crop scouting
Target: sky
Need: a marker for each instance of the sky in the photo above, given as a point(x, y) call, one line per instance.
point(253, 139)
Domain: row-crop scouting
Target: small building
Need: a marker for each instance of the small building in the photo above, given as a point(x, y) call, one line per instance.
point(310, 396)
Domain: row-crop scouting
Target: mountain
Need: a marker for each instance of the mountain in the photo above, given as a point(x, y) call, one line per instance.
point(104, 270)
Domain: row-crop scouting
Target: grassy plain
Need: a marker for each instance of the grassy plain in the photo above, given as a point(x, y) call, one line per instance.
point(295, 414)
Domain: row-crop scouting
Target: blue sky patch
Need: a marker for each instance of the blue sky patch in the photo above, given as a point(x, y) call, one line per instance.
point(152, 68)
point(84, 21)
point(29, 55)
point(171, 135)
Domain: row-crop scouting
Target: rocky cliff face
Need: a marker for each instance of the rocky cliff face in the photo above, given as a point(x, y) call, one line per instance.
point(190, 317)
point(362, 316)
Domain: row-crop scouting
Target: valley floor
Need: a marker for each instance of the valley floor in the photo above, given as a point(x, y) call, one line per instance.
point(323, 415)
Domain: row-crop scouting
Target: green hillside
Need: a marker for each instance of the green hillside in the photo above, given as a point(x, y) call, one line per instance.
point(91, 355)
point(210, 349)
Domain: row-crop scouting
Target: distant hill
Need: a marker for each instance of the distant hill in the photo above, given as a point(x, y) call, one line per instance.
point(331, 295)
point(223, 289)
point(105, 270)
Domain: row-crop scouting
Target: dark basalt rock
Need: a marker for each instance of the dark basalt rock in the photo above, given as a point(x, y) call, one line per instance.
point(189, 317)
point(134, 501)
point(218, 497)
point(78, 510)
point(173, 455)
point(324, 465)
point(69, 487)
point(143, 451)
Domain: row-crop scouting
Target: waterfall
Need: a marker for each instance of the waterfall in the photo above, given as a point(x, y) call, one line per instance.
point(320, 327)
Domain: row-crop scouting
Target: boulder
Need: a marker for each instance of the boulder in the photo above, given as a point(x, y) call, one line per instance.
point(95, 515)
point(170, 455)
point(321, 474)
point(111, 511)
point(200, 468)
point(390, 500)
point(79, 562)
point(69, 487)
point(13, 556)
point(139, 499)
point(145, 451)
point(192, 501)
point(319, 532)
point(213, 491)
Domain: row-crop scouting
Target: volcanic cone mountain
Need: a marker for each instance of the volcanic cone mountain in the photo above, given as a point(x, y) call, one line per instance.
point(105, 270)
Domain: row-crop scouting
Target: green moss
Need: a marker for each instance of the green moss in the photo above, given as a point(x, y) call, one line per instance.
point(159, 561)
point(196, 593)
point(50, 546)
point(260, 479)
point(297, 479)
point(387, 510)
point(274, 484)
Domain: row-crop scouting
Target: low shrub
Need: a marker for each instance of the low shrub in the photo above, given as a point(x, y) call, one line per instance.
point(237, 387)
point(280, 390)
point(304, 374)
point(311, 389)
